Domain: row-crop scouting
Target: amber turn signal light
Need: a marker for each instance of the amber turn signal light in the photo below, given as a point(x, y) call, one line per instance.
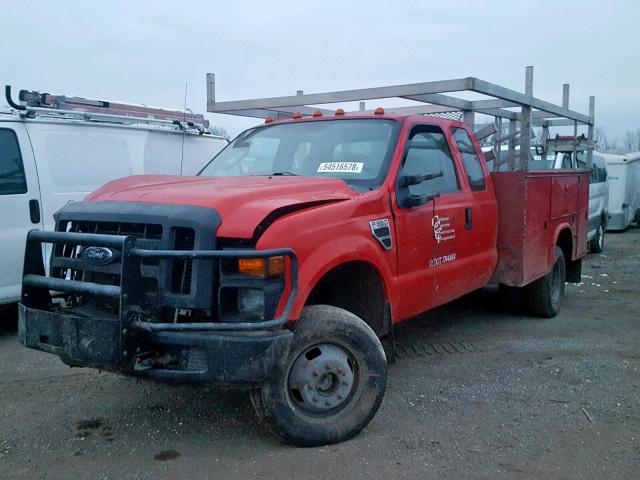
point(261, 267)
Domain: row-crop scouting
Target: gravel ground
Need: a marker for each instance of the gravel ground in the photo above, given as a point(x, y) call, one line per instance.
point(476, 393)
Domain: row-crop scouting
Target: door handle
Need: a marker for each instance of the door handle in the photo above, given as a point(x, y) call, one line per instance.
point(468, 219)
point(34, 211)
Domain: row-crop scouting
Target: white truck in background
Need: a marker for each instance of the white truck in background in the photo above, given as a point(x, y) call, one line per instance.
point(624, 188)
point(56, 149)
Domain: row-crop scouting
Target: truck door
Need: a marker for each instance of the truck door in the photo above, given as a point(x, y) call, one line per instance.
point(20, 209)
point(479, 234)
point(430, 219)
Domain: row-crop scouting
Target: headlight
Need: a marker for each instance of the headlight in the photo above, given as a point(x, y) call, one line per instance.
point(251, 302)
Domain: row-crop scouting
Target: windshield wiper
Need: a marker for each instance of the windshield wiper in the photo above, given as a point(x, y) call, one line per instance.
point(284, 174)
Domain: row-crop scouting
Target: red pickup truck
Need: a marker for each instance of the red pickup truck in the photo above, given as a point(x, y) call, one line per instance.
point(281, 265)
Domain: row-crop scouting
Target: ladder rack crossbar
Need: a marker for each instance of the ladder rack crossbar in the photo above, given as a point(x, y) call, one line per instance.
point(431, 94)
point(506, 105)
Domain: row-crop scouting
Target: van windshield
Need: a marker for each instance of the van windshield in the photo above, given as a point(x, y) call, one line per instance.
point(355, 150)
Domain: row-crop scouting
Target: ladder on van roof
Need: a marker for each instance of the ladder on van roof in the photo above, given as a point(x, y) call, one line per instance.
point(513, 113)
point(102, 110)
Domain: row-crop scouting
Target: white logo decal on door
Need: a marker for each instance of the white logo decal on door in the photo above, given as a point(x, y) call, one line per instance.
point(442, 229)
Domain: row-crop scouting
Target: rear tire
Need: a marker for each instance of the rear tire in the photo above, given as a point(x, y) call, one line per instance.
point(596, 244)
point(333, 384)
point(545, 294)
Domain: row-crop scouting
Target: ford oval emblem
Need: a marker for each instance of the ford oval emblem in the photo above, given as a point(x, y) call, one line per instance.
point(98, 255)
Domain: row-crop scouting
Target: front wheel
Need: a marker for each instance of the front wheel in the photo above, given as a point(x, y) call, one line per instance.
point(333, 384)
point(545, 294)
point(596, 244)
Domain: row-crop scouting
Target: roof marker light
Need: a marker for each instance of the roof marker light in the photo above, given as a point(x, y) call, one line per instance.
point(269, 119)
point(297, 115)
point(317, 113)
point(379, 111)
point(339, 111)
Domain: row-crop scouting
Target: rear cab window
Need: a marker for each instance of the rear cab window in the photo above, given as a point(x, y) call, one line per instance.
point(12, 177)
point(470, 159)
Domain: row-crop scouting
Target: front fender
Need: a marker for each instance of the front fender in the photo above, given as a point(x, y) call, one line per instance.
point(323, 240)
point(323, 260)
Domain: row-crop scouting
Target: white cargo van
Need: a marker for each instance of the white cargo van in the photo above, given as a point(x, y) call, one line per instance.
point(56, 149)
point(599, 212)
point(624, 188)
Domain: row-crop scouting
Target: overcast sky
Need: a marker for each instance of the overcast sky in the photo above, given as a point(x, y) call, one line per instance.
point(145, 52)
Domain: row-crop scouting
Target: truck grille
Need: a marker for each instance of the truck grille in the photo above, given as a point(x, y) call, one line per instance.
point(182, 271)
point(149, 237)
point(169, 284)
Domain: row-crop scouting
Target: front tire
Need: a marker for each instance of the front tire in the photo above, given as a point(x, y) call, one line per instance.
point(596, 244)
point(333, 384)
point(545, 294)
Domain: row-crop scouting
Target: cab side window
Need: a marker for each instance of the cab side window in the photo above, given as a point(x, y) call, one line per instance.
point(12, 177)
point(475, 174)
point(429, 153)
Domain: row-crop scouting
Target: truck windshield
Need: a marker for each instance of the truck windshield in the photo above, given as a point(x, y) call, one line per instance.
point(355, 150)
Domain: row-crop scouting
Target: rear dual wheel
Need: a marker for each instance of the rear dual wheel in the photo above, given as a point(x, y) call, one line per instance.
point(545, 294)
point(333, 384)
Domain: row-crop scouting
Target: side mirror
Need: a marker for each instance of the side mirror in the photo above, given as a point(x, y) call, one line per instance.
point(409, 180)
point(408, 200)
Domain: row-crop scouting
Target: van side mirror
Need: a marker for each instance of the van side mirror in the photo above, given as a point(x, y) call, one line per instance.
point(409, 180)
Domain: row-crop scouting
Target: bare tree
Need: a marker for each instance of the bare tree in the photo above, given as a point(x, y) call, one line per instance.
point(220, 131)
point(631, 140)
point(600, 137)
point(603, 141)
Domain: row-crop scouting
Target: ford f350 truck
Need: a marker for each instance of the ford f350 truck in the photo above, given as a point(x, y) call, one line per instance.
point(282, 264)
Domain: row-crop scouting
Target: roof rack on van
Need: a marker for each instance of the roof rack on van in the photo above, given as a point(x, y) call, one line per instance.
point(516, 111)
point(34, 103)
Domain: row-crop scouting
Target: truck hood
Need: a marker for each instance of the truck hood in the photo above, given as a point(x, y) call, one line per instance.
point(242, 202)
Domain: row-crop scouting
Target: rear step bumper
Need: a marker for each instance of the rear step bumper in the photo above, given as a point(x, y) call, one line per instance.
point(227, 358)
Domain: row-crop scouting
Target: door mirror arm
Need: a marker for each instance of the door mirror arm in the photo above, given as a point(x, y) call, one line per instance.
point(409, 180)
point(416, 200)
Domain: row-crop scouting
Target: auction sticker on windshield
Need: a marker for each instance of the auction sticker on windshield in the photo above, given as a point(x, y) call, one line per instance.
point(342, 167)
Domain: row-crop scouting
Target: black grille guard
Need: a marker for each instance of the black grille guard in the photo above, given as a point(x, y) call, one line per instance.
point(36, 285)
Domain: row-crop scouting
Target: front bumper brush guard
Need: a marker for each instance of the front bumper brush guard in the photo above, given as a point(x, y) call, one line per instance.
point(36, 285)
